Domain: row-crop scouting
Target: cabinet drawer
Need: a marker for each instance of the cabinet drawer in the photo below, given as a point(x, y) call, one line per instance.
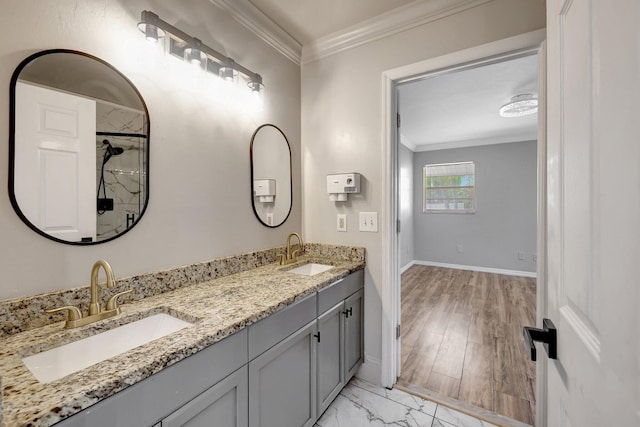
point(333, 294)
point(273, 329)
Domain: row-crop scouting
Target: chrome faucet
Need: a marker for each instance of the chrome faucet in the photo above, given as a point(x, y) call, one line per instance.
point(291, 257)
point(94, 305)
point(74, 317)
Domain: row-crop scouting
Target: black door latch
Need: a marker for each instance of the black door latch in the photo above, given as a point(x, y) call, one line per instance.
point(547, 335)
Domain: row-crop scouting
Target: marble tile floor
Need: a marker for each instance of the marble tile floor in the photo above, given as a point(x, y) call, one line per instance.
point(361, 404)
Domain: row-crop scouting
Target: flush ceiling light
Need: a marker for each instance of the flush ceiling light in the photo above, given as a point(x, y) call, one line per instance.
point(193, 51)
point(520, 105)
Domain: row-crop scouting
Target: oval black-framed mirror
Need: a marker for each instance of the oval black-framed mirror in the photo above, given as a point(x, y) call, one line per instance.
point(78, 148)
point(271, 182)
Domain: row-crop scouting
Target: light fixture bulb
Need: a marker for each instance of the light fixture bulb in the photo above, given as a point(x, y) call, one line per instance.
point(257, 94)
point(256, 85)
point(228, 71)
point(193, 55)
point(149, 27)
point(520, 105)
point(151, 33)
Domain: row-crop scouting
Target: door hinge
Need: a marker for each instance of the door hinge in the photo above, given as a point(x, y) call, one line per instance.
point(398, 332)
point(398, 119)
point(398, 228)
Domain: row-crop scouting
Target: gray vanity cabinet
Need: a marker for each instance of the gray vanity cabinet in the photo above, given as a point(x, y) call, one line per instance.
point(330, 355)
point(223, 405)
point(353, 335)
point(283, 371)
point(341, 346)
point(282, 382)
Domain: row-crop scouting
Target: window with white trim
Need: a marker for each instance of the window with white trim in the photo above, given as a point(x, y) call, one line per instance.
point(449, 187)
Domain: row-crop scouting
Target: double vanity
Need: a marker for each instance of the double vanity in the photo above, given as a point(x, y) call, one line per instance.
point(237, 341)
point(269, 346)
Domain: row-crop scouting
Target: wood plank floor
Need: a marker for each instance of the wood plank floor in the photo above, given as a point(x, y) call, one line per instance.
point(462, 337)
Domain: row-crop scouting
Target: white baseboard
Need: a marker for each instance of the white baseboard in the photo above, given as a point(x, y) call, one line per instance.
point(407, 266)
point(371, 369)
point(472, 268)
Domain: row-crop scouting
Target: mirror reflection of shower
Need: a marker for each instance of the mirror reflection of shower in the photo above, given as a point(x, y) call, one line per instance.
point(103, 203)
point(120, 173)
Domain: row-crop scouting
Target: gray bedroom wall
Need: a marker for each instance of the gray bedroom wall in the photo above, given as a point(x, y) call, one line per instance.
point(405, 160)
point(504, 223)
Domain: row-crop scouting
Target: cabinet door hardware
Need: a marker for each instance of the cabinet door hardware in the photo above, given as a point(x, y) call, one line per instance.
point(317, 336)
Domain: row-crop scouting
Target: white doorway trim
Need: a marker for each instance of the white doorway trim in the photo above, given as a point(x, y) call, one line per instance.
point(390, 289)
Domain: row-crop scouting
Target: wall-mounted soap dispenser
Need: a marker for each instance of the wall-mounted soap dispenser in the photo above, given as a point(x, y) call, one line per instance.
point(339, 185)
point(264, 190)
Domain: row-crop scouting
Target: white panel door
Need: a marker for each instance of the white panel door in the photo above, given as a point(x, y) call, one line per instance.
point(593, 188)
point(55, 161)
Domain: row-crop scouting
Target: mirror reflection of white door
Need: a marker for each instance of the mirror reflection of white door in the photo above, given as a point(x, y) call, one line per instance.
point(593, 213)
point(55, 161)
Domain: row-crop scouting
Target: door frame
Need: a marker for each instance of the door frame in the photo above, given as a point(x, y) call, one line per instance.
point(390, 288)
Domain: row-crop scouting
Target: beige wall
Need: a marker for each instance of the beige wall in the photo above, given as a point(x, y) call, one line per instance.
point(200, 203)
point(341, 128)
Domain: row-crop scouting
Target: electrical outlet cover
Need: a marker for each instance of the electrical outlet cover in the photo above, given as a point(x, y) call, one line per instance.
point(341, 224)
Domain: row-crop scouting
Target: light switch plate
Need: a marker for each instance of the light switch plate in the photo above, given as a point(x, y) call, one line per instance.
point(368, 221)
point(341, 224)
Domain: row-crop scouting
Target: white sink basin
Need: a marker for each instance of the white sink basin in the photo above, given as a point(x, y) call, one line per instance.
point(310, 269)
point(58, 362)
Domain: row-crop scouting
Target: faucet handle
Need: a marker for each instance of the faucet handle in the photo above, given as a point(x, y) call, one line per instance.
point(112, 303)
point(281, 258)
point(74, 312)
point(294, 254)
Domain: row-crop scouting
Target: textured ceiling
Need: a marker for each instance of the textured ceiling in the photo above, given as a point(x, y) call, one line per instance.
point(463, 105)
point(307, 20)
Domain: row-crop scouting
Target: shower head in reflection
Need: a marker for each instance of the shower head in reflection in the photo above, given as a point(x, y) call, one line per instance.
point(111, 151)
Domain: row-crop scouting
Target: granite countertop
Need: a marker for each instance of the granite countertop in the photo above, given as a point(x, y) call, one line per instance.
point(218, 308)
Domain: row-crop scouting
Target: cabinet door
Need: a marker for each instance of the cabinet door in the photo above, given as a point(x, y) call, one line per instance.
point(223, 405)
point(282, 382)
point(330, 356)
point(354, 337)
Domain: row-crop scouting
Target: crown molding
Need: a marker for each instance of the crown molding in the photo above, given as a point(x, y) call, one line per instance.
point(528, 136)
point(405, 141)
point(264, 27)
point(395, 21)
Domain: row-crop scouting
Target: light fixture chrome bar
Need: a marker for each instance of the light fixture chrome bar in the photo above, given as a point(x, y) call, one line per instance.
point(150, 18)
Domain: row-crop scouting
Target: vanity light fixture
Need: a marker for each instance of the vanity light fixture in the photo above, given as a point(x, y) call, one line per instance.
point(520, 105)
point(192, 50)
